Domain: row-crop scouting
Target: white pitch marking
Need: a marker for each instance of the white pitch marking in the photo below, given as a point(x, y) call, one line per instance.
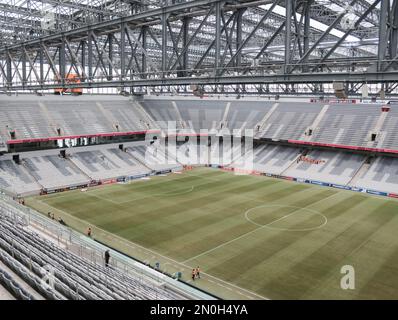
point(250, 232)
point(294, 212)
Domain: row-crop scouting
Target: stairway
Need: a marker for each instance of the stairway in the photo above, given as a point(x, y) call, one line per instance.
point(223, 123)
point(293, 163)
point(362, 169)
point(315, 124)
point(146, 117)
point(49, 118)
point(376, 129)
point(140, 161)
point(182, 122)
point(76, 165)
point(109, 116)
point(261, 124)
point(78, 169)
point(26, 171)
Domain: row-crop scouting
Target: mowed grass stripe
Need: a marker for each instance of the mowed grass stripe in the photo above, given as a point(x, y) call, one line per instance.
point(265, 249)
point(219, 232)
point(222, 245)
point(276, 238)
point(331, 255)
point(148, 208)
point(285, 239)
point(91, 206)
point(375, 274)
point(114, 190)
point(176, 211)
point(204, 205)
point(216, 225)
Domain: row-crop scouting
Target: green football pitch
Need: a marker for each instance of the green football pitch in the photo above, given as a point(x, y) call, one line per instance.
point(253, 237)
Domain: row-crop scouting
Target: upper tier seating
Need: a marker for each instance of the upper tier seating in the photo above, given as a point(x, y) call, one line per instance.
point(347, 124)
point(290, 120)
point(41, 117)
point(163, 112)
point(205, 114)
point(17, 114)
point(246, 114)
point(50, 116)
point(389, 130)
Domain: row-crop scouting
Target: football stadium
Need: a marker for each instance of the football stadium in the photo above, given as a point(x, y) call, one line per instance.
point(199, 150)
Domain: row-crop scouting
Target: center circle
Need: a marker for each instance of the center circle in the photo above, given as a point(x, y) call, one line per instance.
point(296, 210)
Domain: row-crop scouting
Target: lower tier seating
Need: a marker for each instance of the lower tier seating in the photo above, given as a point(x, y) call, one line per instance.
point(69, 276)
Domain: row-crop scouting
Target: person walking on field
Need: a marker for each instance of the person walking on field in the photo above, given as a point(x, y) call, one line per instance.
point(89, 232)
point(193, 274)
point(107, 257)
point(198, 272)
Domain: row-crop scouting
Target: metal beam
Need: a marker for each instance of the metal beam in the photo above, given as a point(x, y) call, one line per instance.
point(288, 32)
point(320, 39)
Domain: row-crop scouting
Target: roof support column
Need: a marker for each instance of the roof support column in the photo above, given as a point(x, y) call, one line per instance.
point(185, 44)
point(239, 36)
point(83, 59)
point(164, 44)
point(8, 70)
point(307, 19)
point(110, 56)
point(144, 37)
point(288, 34)
point(90, 55)
point(217, 38)
point(383, 36)
point(394, 30)
point(62, 62)
point(41, 64)
point(24, 80)
point(122, 51)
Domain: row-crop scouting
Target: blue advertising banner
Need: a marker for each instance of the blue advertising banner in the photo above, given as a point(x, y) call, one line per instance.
point(319, 183)
point(378, 193)
point(339, 186)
